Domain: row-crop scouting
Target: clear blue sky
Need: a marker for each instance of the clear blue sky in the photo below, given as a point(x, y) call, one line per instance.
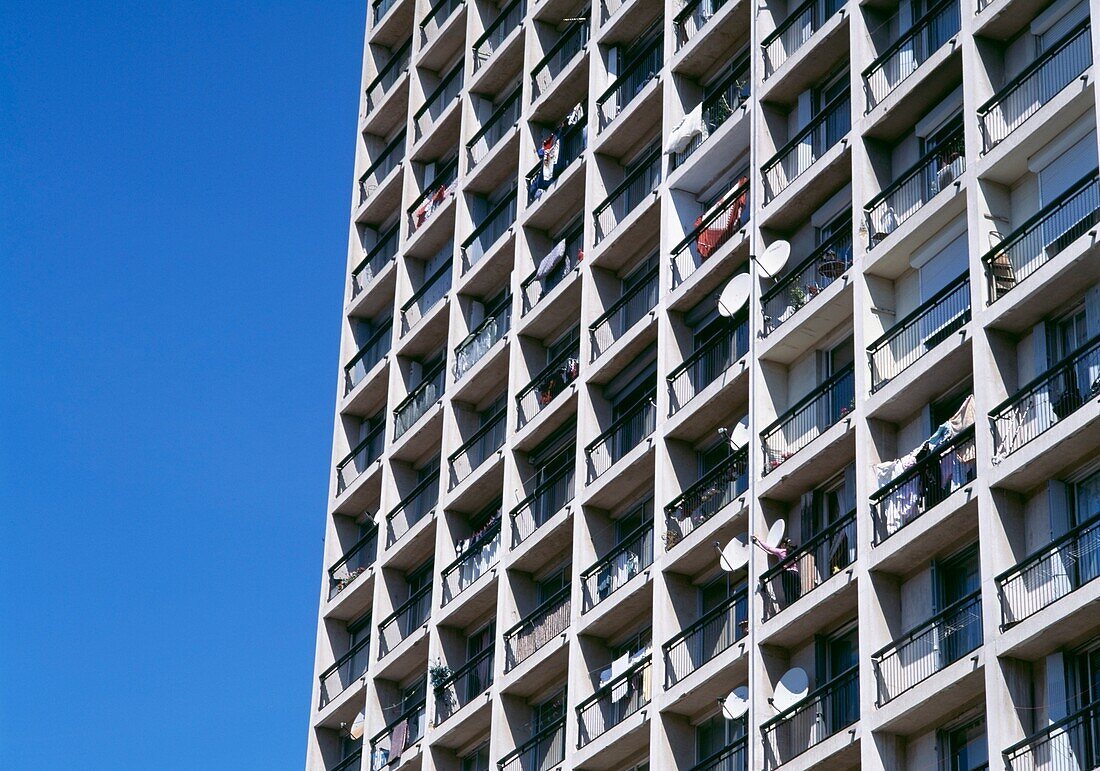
point(174, 188)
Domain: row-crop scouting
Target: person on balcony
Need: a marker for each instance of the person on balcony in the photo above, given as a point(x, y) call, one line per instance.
point(790, 578)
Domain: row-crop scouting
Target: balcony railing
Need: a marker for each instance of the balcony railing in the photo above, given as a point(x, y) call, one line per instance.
point(707, 363)
point(717, 489)
point(434, 289)
point(390, 73)
point(924, 485)
point(387, 161)
point(1037, 84)
point(629, 558)
point(477, 449)
point(1043, 236)
point(624, 313)
point(547, 384)
point(406, 619)
point(795, 31)
point(546, 500)
point(381, 8)
point(1055, 571)
point(916, 186)
point(810, 565)
point(571, 145)
point(629, 83)
point(614, 702)
point(812, 416)
point(436, 194)
point(489, 231)
point(437, 17)
point(464, 685)
point(824, 712)
point(931, 323)
point(1048, 399)
point(353, 762)
point(928, 648)
point(824, 131)
point(413, 718)
point(497, 32)
point(712, 229)
point(419, 401)
point(534, 288)
point(724, 98)
point(502, 120)
point(539, 627)
point(825, 264)
point(345, 671)
point(902, 57)
point(622, 436)
point(735, 757)
point(437, 102)
point(701, 642)
point(361, 457)
point(414, 507)
point(479, 342)
point(572, 41)
point(476, 560)
point(544, 750)
point(692, 17)
point(376, 347)
point(374, 260)
point(353, 563)
point(1070, 744)
point(628, 195)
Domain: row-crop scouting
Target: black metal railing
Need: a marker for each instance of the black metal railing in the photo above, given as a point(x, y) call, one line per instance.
point(381, 8)
point(413, 718)
point(1058, 569)
point(628, 194)
point(547, 384)
point(722, 100)
point(414, 507)
point(353, 761)
point(735, 757)
point(534, 288)
point(1037, 84)
point(477, 449)
point(488, 231)
point(825, 264)
point(435, 194)
point(375, 260)
point(431, 292)
point(390, 73)
point(437, 102)
point(377, 346)
point(809, 565)
point(823, 713)
point(544, 750)
point(546, 500)
point(692, 17)
point(914, 187)
point(623, 435)
point(538, 627)
point(572, 41)
point(712, 229)
point(929, 482)
point(928, 648)
point(437, 17)
point(813, 415)
point(917, 333)
point(421, 399)
point(1043, 236)
point(629, 83)
point(345, 671)
point(1052, 397)
point(361, 457)
point(475, 561)
point(571, 144)
point(795, 31)
point(823, 131)
point(614, 702)
point(497, 32)
point(502, 120)
point(353, 563)
point(624, 313)
point(912, 49)
point(1070, 744)
point(479, 342)
point(611, 572)
point(464, 685)
point(712, 359)
point(717, 489)
point(712, 634)
point(406, 619)
point(389, 159)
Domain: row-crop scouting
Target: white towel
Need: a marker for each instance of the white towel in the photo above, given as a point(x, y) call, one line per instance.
point(689, 127)
point(618, 667)
point(551, 260)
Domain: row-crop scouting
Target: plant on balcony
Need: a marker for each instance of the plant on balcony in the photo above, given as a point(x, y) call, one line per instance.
point(439, 674)
point(346, 580)
point(798, 297)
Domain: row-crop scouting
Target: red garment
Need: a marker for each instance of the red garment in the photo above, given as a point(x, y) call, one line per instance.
point(723, 225)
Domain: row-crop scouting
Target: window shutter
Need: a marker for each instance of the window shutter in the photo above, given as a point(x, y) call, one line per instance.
point(1061, 518)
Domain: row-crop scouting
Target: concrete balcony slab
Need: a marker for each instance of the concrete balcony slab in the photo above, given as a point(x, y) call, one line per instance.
point(806, 66)
point(620, 609)
point(370, 393)
point(809, 190)
point(719, 404)
point(712, 681)
point(924, 705)
point(925, 379)
point(936, 532)
point(713, 273)
point(712, 44)
point(1059, 448)
point(826, 605)
point(810, 324)
point(813, 464)
point(355, 598)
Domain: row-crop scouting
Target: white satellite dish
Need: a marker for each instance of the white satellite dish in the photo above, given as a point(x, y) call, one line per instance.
point(356, 731)
point(735, 295)
point(737, 703)
point(739, 436)
point(775, 533)
point(774, 258)
point(792, 688)
point(735, 556)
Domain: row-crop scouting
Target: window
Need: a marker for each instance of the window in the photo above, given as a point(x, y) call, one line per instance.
point(634, 645)
point(832, 88)
point(566, 342)
point(964, 748)
point(478, 760)
point(555, 582)
point(633, 519)
point(420, 577)
point(549, 712)
point(359, 629)
point(1066, 334)
point(715, 734)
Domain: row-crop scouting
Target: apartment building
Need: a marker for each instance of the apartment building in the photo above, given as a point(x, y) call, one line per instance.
point(548, 426)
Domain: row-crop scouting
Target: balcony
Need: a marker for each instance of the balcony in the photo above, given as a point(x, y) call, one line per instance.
point(380, 8)
point(353, 762)
point(929, 482)
point(387, 77)
point(406, 619)
point(534, 288)
point(809, 566)
point(546, 500)
point(1036, 85)
point(572, 41)
point(712, 231)
point(539, 627)
point(345, 671)
point(414, 507)
point(725, 98)
point(906, 54)
point(433, 290)
point(437, 102)
point(629, 558)
point(360, 458)
point(389, 159)
point(544, 750)
point(571, 145)
point(464, 685)
point(701, 642)
point(422, 398)
point(479, 342)
point(353, 563)
point(489, 231)
point(628, 84)
point(548, 384)
point(628, 195)
point(436, 193)
point(495, 128)
point(477, 449)
point(809, 418)
point(413, 719)
point(706, 364)
point(614, 702)
point(1055, 571)
point(717, 489)
point(1043, 236)
point(476, 560)
point(1070, 743)
point(374, 260)
point(824, 712)
point(920, 183)
point(735, 757)
point(623, 435)
point(376, 347)
point(795, 31)
point(438, 16)
point(825, 130)
point(509, 18)
point(798, 288)
point(692, 17)
point(624, 313)
point(928, 648)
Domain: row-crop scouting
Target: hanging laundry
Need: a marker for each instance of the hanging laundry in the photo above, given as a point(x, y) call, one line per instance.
point(551, 260)
point(397, 739)
point(964, 418)
point(549, 153)
point(691, 126)
point(714, 235)
point(575, 116)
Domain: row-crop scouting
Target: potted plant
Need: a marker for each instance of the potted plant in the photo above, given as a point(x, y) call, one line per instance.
point(439, 674)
